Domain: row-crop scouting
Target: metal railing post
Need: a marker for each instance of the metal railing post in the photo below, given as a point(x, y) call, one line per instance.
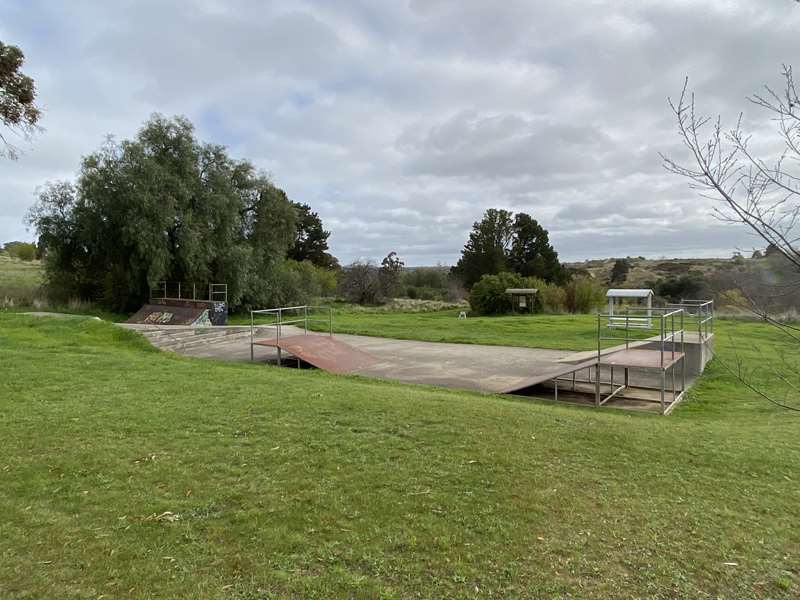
point(672, 322)
point(627, 327)
point(712, 316)
point(305, 320)
point(597, 367)
point(252, 324)
point(278, 334)
point(683, 359)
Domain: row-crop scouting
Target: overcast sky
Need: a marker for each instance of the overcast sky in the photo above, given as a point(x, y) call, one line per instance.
point(401, 122)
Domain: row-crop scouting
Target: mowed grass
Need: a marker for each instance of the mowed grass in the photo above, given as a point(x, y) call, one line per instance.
point(558, 332)
point(127, 472)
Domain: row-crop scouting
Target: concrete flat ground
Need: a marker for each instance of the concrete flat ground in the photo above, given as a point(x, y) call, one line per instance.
point(465, 366)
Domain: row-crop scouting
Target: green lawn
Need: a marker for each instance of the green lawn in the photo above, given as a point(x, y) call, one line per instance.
point(559, 332)
point(126, 472)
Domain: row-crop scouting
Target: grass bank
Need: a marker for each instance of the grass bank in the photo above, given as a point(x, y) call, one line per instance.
point(126, 472)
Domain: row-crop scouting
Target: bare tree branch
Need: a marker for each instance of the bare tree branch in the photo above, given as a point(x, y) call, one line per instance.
point(762, 194)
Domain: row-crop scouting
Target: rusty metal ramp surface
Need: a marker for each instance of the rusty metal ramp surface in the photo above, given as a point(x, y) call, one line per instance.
point(162, 314)
point(322, 351)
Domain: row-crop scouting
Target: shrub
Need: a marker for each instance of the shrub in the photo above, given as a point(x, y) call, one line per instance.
point(583, 295)
point(425, 293)
point(328, 280)
point(306, 281)
point(488, 296)
point(22, 250)
point(552, 298)
point(360, 283)
point(674, 289)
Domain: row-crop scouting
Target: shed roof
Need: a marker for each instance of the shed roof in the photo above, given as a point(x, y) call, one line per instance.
point(522, 291)
point(628, 293)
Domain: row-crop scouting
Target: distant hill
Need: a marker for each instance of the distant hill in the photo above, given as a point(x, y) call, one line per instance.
point(645, 270)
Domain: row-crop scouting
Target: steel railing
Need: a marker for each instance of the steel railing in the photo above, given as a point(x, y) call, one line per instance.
point(700, 316)
point(279, 322)
point(182, 290)
point(668, 322)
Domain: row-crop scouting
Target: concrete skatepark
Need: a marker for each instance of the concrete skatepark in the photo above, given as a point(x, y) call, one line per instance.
point(667, 362)
point(489, 369)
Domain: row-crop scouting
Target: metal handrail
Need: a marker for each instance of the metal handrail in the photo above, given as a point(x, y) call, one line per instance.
point(670, 335)
point(702, 313)
point(279, 322)
point(217, 292)
point(665, 325)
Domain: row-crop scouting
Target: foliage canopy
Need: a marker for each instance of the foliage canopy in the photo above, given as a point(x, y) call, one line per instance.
point(163, 206)
point(500, 242)
point(18, 110)
point(311, 239)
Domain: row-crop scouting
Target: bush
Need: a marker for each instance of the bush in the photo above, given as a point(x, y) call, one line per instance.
point(552, 298)
point(584, 295)
point(425, 293)
point(361, 283)
point(306, 282)
point(22, 250)
point(674, 289)
point(488, 296)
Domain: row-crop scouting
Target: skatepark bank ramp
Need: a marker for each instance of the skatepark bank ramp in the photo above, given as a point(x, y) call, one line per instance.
point(177, 303)
point(166, 314)
point(322, 351)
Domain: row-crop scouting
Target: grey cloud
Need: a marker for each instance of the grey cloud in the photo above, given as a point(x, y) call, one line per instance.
point(402, 122)
point(504, 145)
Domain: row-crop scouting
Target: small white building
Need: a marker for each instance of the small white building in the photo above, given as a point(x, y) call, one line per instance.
point(638, 309)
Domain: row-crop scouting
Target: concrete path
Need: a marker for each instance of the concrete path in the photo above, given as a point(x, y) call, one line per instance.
point(465, 366)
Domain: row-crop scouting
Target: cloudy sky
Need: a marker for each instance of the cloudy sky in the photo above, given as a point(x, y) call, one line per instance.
point(401, 122)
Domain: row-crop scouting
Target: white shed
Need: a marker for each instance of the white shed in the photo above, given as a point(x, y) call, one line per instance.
point(639, 315)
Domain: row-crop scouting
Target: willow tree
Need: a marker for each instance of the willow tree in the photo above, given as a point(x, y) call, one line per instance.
point(19, 114)
point(162, 206)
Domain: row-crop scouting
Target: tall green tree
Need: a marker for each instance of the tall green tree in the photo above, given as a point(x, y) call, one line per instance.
point(311, 239)
point(18, 111)
point(619, 272)
point(390, 273)
point(500, 242)
point(163, 206)
point(487, 248)
point(531, 254)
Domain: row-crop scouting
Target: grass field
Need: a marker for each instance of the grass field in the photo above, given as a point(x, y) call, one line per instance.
point(20, 291)
point(126, 472)
point(17, 274)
